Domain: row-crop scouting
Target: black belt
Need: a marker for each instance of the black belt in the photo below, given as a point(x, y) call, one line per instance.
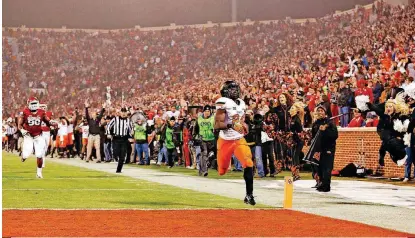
point(94, 134)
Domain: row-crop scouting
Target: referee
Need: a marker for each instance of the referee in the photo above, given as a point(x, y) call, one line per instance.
point(119, 129)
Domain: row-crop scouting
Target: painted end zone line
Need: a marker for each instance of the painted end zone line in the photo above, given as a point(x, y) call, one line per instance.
point(80, 189)
point(138, 209)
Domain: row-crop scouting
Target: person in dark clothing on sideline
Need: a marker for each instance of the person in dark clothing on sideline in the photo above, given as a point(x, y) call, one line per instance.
point(120, 129)
point(328, 136)
point(253, 139)
point(94, 138)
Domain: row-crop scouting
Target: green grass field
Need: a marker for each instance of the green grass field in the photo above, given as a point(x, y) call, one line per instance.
point(70, 187)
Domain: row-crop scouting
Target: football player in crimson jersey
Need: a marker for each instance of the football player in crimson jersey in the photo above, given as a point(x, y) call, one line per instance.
point(30, 125)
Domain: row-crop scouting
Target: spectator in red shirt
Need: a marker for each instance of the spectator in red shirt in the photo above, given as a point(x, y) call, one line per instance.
point(371, 120)
point(357, 120)
point(362, 89)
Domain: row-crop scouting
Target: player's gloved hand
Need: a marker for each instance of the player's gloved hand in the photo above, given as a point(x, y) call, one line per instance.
point(237, 126)
point(24, 132)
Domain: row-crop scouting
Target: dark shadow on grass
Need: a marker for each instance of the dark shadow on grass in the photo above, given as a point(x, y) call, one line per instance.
point(353, 203)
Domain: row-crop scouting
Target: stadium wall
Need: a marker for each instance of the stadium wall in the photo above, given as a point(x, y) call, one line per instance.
point(122, 14)
point(173, 26)
point(349, 145)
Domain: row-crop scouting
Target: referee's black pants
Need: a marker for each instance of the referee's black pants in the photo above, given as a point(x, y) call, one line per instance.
point(120, 151)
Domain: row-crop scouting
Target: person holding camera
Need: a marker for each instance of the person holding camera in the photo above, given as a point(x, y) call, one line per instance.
point(203, 134)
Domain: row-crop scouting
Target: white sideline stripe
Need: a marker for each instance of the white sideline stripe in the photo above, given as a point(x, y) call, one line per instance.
point(86, 189)
point(138, 209)
point(68, 178)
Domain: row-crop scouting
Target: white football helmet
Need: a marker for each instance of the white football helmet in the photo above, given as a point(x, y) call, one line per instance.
point(33, 104)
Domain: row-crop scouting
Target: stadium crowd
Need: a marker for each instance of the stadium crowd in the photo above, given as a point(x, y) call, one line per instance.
point(329, 61)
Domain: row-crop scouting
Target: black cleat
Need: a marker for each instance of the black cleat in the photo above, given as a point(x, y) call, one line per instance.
point(249, 199)
point(23, 159)
point(323, 189)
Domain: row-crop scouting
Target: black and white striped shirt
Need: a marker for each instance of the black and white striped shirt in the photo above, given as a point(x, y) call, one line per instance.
point(120, 127)
point(10, 130)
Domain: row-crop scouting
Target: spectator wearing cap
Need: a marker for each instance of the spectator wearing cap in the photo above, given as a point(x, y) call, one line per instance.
point(141, 132)
point(203, 133)
point(120, 129)
point(169, 136)
point(94, 139)
point(371, 120)
point(357, 120)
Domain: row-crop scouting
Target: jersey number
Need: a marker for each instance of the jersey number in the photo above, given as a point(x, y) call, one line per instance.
point(33, 122)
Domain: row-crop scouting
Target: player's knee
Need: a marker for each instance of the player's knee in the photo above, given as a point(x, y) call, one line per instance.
point(249, 163)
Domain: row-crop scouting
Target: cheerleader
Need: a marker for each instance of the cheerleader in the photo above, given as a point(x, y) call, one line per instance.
point(393, 124)
point(296, 127)
point(281, 119)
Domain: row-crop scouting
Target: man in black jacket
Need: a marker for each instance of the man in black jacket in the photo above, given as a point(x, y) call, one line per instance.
point(326, 148)
point(253, 138)
point(94, 138)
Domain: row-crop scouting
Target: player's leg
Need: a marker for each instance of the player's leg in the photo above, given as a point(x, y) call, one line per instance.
point(89, 147)
point(27, 147)
point(244, 155)
point(46, 138)
point(225, 150)
point(39, 144)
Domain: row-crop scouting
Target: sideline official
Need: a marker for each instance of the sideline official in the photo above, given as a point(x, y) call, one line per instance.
point(327, 147)
point(120, 129)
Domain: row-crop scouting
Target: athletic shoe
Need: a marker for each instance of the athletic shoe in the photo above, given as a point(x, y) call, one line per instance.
point(188, 167)
point(402, 161)
point(206, 174)
point(23, 159)
point(405, 180)
point(249, 199)
point(317, 185)
point(323, 189)
point(39, 175)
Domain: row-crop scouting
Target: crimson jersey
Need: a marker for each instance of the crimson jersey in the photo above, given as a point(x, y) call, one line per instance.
point(32, 121)
point(44, 126)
